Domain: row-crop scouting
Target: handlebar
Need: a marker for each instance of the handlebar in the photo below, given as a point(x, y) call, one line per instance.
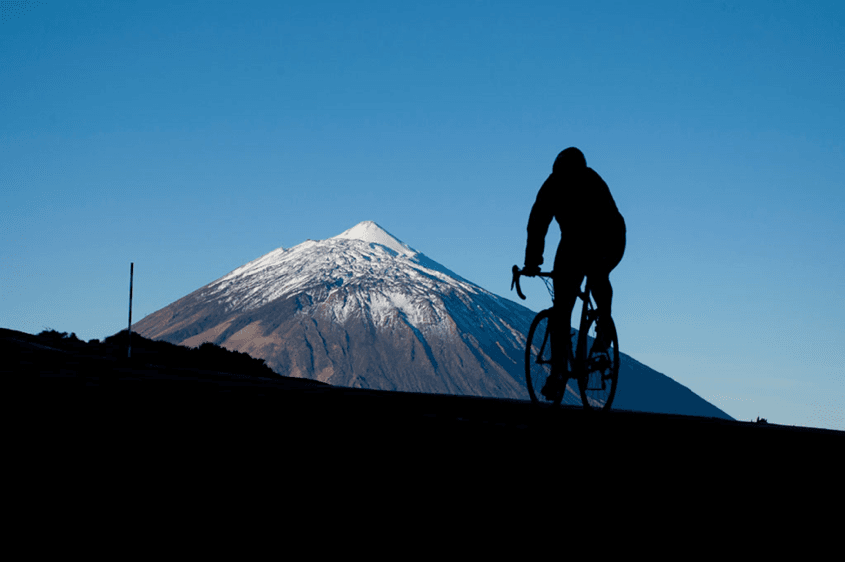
point(515, 281)
point(518, 272)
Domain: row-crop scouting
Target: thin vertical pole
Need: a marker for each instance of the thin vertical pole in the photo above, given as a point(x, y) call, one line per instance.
point(129, 331)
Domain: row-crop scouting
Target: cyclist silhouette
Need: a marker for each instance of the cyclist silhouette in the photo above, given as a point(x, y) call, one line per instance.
point(592, 235)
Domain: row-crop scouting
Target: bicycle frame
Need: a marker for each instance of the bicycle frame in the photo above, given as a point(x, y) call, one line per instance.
point(594, 368)
point(588, 310)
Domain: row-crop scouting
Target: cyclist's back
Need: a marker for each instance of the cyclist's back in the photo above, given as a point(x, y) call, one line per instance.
point(593, 231)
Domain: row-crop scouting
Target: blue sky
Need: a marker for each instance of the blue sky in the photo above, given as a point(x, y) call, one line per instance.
point(192, 137)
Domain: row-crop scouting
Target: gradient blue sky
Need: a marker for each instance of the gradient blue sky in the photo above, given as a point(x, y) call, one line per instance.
point(192, 137)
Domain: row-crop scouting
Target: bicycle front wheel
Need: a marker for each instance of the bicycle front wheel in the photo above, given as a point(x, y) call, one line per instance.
point(538, 357)
point(538, 364)
point(598, 364)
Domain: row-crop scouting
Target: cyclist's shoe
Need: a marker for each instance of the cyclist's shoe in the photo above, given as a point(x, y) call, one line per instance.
point(600, 344)
point(554, 387)
point(600, 362)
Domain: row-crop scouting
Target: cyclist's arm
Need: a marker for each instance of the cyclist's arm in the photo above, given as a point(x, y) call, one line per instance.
point(538, 225)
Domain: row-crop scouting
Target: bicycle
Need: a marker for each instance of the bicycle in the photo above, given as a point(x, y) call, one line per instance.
point(594, 367)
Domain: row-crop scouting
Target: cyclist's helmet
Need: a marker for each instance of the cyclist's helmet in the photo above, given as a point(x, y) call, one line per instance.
point(570, 160)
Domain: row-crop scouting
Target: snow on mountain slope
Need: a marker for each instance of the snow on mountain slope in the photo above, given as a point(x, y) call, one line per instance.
point(365, 256)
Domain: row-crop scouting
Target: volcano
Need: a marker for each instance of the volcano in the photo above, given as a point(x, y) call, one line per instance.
point(363, 309)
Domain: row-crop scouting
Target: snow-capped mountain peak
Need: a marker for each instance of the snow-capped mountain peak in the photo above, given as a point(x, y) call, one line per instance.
point(363, 255)
point(370, 232)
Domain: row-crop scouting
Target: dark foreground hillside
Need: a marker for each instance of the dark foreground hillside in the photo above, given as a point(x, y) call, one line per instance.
point(145, 420)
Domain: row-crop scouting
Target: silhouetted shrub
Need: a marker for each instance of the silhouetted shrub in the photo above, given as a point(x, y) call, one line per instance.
point(207, 356)
point(60, 340)
point(213, 356)
point(54, 335)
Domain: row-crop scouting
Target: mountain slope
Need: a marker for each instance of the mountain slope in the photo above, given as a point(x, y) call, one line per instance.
point(363, 309)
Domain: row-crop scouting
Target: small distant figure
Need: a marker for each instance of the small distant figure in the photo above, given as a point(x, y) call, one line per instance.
point(592, 235)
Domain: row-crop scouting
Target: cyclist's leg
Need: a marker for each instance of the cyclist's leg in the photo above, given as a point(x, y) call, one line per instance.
point(569, 274)
point(601, 265)
point(602, 292)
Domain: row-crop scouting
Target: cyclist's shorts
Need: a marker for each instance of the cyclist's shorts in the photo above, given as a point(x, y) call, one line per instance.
point(592, 253)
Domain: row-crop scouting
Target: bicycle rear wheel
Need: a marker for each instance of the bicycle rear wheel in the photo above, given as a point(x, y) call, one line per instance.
point(538, 363)
point(599, 367)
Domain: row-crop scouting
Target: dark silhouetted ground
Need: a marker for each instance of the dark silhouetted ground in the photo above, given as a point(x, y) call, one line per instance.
point(92, 426)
